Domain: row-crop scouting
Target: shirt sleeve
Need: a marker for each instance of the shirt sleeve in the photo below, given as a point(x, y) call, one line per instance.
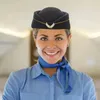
point(11, 89)
point(89, 92)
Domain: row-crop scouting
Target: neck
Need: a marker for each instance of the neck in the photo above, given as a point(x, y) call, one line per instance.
point(50, 71)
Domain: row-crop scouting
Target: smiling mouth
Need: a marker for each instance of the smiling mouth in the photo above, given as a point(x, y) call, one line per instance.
point(51, 54)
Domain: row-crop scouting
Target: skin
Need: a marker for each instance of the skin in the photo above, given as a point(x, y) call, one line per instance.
point(49, 41)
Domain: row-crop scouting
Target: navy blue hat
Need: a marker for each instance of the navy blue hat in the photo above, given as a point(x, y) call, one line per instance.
point(50, 18)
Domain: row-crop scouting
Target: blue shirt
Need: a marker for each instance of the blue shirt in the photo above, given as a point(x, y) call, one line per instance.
point(34, 84)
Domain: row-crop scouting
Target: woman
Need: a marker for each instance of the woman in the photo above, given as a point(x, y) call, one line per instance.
point(51, 78)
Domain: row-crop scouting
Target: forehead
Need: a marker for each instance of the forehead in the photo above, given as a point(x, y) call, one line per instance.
point(50, 32)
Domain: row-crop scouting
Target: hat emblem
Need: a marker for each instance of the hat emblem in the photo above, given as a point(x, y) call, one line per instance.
point(50, 26)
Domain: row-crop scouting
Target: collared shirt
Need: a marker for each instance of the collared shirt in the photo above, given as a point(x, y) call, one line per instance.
point(34, 84)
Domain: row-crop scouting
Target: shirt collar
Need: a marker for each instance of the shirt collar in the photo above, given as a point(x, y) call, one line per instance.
point(36, 71)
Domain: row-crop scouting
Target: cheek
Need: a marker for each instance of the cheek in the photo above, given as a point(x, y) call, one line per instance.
point(40, 45)
point(64, 48)
point(63, 44)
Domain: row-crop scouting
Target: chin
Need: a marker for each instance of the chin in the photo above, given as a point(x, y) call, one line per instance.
point(52, 61)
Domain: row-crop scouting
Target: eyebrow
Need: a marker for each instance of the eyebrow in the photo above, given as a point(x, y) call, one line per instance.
point(58, 35)
point(47, 36)
point(43, 35)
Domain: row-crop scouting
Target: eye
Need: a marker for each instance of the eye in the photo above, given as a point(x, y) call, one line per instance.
point(43, 38)
point(59, 38)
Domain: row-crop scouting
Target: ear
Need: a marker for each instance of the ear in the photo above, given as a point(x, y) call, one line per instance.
point(69, 38)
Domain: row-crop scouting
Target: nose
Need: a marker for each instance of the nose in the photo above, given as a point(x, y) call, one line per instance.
point(51, 45)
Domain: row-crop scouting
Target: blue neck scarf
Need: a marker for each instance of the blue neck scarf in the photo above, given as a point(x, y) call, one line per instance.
point(64, 64)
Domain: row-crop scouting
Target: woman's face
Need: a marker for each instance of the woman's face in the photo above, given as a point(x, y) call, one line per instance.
point(52, 44)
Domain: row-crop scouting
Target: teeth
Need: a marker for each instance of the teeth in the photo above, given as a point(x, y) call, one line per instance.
point(51, 53)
